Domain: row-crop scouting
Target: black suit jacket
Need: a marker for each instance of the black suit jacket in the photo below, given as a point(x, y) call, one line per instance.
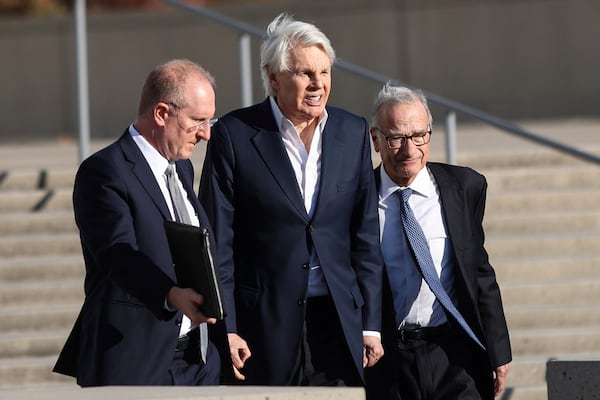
point(463, 196)
point(124, 335)
point(264, 235)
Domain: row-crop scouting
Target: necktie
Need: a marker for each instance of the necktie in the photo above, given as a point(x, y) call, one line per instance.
point(418, 244)
point(182, 215)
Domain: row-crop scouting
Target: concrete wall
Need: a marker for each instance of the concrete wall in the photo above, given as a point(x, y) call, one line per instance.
point(515, 58)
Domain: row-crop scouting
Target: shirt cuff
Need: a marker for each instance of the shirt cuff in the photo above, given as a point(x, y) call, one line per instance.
point(169, 308)
point(372, 333)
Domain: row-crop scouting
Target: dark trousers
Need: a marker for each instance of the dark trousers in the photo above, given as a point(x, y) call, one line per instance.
point(444, 368)
point(187, 368)
point(324, 358)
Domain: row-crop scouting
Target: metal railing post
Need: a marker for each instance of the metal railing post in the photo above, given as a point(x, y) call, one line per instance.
point(82, 78)
point(245, 70)
point(450, 129)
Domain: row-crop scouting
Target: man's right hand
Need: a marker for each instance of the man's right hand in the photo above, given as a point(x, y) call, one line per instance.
point(188, 302)
point(238, 348)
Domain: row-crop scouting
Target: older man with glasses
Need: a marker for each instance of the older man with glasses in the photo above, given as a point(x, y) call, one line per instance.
point(445, 334)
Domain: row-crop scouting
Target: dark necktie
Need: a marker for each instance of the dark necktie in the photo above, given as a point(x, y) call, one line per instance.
point(182, 215)
point(418, 244)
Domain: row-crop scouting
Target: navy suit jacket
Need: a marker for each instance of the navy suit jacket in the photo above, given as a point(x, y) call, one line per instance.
point(264, 235)
point(463, 196)
point(124, 335)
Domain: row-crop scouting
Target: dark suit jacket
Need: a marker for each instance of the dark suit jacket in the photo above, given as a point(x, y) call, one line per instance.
point(463, 197)
point(123, 335)
point(264, 235)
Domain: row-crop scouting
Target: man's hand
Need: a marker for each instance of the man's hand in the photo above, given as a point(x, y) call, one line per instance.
point(372, 350)
point(188, 301)
point(500, 379)
point(239, 351)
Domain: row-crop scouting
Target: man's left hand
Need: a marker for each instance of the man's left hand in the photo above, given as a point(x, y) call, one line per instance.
point(372, 350)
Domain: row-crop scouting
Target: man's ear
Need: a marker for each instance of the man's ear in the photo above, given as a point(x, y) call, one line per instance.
point(374, 139)
point(273, 80)
point(159, 113)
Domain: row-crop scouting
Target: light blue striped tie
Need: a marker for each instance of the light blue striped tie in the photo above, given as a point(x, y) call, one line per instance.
point(420, 248)
point(182, 215)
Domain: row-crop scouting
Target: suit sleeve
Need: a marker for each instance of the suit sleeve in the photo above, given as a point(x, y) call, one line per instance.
point(489, 298)
point(216, 193)
point(365, 248)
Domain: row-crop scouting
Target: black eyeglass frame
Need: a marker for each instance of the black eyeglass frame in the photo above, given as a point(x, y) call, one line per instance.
point(402, 139)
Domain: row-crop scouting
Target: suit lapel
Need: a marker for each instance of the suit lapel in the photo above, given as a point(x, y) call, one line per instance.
point(451, 196)
point(332, 150)
point(270, 147)
point(142, 171)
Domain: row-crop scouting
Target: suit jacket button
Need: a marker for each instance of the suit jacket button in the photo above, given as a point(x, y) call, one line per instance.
point(301, 302)
point(305, 266)
point(178, 322)
point(310, 228)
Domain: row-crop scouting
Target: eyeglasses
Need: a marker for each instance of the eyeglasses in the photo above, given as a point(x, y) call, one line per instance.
point(195, 128)
point(397, 141)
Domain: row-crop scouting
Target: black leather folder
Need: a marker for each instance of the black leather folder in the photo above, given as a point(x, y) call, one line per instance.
point(194, 265)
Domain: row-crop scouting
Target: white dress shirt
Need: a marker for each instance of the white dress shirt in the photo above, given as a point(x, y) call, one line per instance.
point(414, 302)
point(158, 164)
point(307, 168)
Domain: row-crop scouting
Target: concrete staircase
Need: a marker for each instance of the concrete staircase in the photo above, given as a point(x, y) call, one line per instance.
point(543, 236)
point(41, 271)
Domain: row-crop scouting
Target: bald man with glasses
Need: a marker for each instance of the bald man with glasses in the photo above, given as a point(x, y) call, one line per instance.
point(136, 325)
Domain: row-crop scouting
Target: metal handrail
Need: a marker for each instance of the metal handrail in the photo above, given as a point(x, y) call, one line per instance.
point(452, 107)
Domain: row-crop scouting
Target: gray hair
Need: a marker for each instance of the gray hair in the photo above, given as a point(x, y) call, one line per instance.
point(391, 94)
point(284, 34)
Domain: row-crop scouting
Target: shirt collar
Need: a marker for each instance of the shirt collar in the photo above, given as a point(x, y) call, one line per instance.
point(158, 164)
point(423, 184)
point(284, 123)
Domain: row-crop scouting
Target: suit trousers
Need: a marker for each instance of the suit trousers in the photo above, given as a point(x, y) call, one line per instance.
point(187, 368)
point(324, 358)
point(444, 368)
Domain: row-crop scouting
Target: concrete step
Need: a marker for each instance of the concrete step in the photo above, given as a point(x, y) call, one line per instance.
point(32, 344)
point(531, 178)
point(30, 371)
point(546, 268)
point(234, 392)
point(507, 160)
point(41, 245)
point(569, 292)
point(531, 370)
point(528, 200)
point(24, 319)
point(543, 222)
point(37, 178)
point(527, 371)
point(23, 200)
point(526, 379)
point(551, 316)
point(552, 342)
point(36, 200)
point(512, 159)
point(553, 244)
point(41, 293)
point(18, 223)
point(31, 269)
point(534, 392)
